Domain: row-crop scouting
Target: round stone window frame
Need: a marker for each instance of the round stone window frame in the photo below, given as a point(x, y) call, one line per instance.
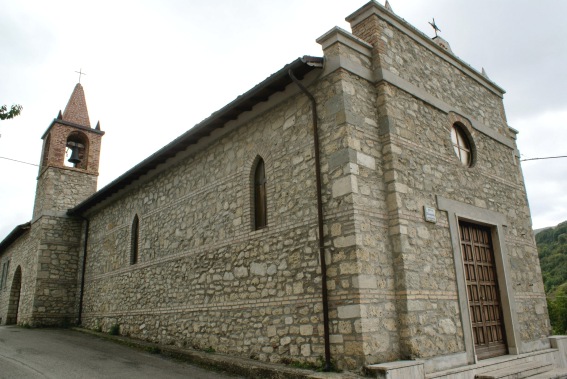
point(461, 130)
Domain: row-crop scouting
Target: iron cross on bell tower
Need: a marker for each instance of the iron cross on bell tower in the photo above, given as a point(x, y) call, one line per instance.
point(80, 72)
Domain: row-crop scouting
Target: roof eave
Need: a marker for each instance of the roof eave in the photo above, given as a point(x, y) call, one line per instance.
point(14, 235)
point(63, 122)
point(259, 93)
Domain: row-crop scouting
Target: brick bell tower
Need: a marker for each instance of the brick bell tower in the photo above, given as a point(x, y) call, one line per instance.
point(68, 171)
point(68, 174)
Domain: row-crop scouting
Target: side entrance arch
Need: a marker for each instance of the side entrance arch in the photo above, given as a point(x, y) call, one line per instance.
point(14, 301)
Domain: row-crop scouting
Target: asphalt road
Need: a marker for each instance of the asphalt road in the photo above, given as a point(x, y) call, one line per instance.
point(62, 354)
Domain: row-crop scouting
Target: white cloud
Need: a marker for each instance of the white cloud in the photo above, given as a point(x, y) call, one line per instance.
point(543, 135)
point(156, 68)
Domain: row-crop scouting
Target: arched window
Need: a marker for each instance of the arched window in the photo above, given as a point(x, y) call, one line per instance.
point(260, 201)
point(134, 240)
point(4, 277)
point(461, 145)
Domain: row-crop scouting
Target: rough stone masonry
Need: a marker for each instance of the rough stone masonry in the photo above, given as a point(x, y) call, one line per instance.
point(387, 99)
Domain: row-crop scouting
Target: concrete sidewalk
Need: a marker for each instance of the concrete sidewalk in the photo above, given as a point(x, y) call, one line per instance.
point(67, 354)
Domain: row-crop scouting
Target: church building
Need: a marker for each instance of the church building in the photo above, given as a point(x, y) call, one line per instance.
point(365, 208)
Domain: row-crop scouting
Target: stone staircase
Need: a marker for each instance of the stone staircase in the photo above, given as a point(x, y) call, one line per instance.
point(543, 364)
point(532, 370)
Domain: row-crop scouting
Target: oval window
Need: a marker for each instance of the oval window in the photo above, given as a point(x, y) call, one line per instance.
point(461, 145)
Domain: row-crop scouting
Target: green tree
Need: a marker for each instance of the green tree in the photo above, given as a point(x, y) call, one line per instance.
point(557, 306)
point(552, 247)
point(6, 114)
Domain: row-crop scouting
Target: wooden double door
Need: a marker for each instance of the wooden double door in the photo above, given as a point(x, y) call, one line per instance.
point(482, 290)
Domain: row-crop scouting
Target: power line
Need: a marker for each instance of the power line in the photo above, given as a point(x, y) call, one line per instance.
point(521, 160)
point(15, 160)
point(535, 159)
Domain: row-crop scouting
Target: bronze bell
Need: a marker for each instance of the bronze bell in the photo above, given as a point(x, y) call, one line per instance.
point(74, 158)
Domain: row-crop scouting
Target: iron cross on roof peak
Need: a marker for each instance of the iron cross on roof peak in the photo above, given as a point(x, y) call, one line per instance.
point(434, 27)
point(80, 72)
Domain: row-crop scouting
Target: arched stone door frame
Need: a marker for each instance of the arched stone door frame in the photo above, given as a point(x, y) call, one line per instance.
point(14, 301)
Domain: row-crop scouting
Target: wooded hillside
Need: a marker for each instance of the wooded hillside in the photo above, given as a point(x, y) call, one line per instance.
point(552, 248)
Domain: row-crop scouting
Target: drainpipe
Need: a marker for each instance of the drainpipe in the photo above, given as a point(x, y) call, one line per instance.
point(324, 292)
point(83, 270)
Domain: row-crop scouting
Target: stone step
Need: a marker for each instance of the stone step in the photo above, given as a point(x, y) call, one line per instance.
point(518, 371)
point(493, 364)
point(558, 373)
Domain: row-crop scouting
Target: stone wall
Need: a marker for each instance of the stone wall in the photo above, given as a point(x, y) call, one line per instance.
point(421, 91)
point(407, 53)
point(47, 256)
point(360, 266)
point(21, 255)
point(204, 277)
point(59, 189)
point(57, 271)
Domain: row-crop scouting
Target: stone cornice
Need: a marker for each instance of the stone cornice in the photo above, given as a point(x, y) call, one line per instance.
point(336, 62)
point(374, 8)
point(340, 35)
point(67, 123)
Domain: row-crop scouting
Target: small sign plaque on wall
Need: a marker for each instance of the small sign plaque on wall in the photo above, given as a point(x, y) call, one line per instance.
point(429, 213)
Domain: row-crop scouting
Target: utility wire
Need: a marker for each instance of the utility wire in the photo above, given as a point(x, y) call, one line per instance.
point(15, 160)
point(535, 159)
point(521, 160)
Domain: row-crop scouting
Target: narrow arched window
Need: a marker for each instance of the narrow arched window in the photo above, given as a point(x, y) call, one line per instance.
point(134, 240)
point(260, 200)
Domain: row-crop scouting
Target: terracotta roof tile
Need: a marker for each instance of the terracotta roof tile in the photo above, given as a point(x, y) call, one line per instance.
point(76, 109)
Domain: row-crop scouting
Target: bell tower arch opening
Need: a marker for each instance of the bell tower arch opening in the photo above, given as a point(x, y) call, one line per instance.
point(70, 141)
point(77, 150)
